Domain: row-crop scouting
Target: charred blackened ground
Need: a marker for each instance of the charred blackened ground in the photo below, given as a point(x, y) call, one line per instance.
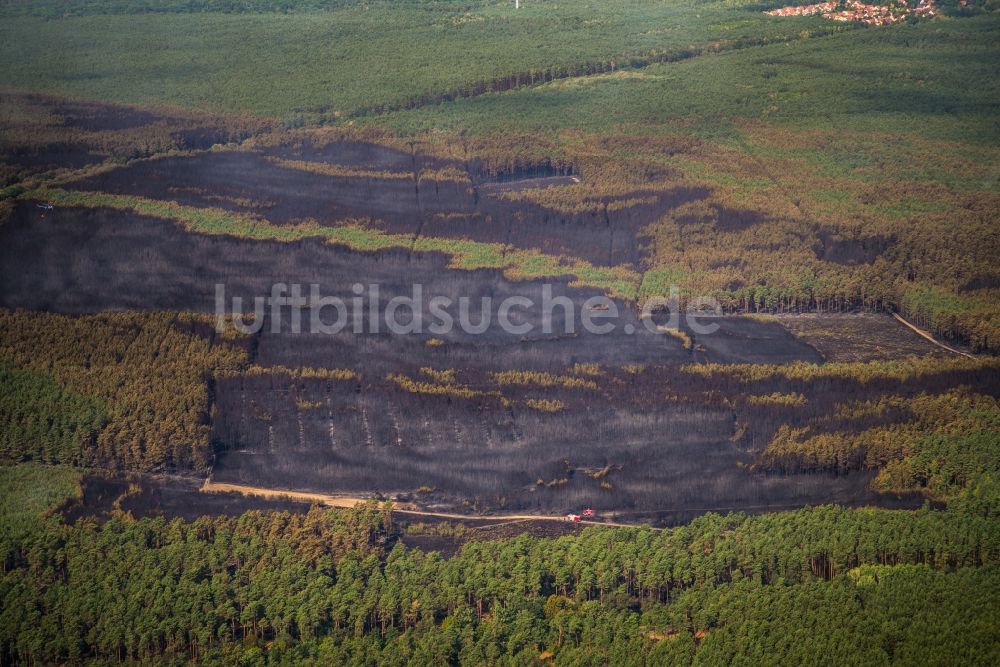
point(88, 260)
point(840, 337)
point(40, 133)
point(629, 444)
point(168, 497)
point(416, 194)
point(664, 440)
point(544, 422)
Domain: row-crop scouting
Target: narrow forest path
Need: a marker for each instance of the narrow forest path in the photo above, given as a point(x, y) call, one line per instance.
point(346, 502)
point(929, 337)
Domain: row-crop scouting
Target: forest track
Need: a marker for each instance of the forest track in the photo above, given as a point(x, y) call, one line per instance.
point(929, 337)
point(331, 501)
point(347, 502)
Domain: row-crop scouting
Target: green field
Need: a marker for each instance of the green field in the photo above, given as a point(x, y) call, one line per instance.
point(322, 65)
point(930, 80)
point(933, 79)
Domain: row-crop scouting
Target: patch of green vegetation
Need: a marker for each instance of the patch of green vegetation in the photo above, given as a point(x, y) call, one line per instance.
point(11, 192)
point(830, 195)
point(469, 255)
point(803, 587)
point(30, 490)
point(975, 313)
point(618, 281)
point(659, 282)
point(703, 172)
point(951, 463)
point(911, 207)
point(929, 303)
point(41, 420)
point(832, 202)
point(58, 8)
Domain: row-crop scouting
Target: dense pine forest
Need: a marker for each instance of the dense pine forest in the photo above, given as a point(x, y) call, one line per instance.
point(823, 585)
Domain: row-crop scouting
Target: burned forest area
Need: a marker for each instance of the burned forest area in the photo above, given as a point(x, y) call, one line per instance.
point(488, 422)
point(662, 335)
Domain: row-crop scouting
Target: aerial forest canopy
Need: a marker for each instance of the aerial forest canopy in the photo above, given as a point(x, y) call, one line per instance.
point(815, 480)
point(828, 585)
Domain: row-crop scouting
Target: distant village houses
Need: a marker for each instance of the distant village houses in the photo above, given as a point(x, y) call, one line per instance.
point(860, 12)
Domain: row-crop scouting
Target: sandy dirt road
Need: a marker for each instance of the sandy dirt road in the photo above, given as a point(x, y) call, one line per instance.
point(400, 508)
point(929, 337)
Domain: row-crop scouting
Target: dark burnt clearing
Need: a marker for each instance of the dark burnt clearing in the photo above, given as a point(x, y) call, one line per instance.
point(41, 133)
point(841, 337)
point(649, 438)
point(88, 260)
point(751, 341)
point(472, 208)
point(167, 497)
point(661, 442)
point(658, 444)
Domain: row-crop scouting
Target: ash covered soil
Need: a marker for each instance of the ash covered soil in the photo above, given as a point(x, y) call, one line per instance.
point(617, 442)
point(634, 434)
point(405, 202)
